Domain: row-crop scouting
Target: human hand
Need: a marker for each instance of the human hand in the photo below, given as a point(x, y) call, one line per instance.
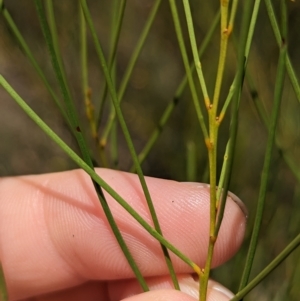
point(56, 244)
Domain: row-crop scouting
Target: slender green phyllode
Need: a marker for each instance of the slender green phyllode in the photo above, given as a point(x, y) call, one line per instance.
point(80, 139)
point(94, 176)
point(127, 136)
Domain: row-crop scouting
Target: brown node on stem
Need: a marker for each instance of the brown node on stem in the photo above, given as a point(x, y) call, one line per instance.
point(102, 143)
point(88, 104)
point(90, 110)
point(209, 144)
point(88, 92)
point(213, 239)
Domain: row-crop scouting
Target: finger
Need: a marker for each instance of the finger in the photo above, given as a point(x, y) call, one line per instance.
point(172, 295)
point(54, 234)
point(91, 291)
point(119, 290)
point(161, 295)
point(80, 294)
point(162, 289)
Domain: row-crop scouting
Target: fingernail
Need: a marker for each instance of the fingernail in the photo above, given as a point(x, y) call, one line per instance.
point(189, 286)
point(216, 291)
point(198, 185)
point(217, 287)
point(235, 198)
point(239, 202)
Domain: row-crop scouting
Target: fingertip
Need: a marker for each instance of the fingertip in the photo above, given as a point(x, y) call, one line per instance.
point(161, 295)
point(232, 230)
point(164, 288)
point(216, 292)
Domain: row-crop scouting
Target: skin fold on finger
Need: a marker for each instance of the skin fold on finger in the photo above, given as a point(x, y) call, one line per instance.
point(54, 234)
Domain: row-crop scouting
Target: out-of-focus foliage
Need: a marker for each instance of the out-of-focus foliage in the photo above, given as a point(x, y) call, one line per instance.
point(25, 149)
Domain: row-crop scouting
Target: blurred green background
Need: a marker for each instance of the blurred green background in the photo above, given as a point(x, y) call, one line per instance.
point(24, 149)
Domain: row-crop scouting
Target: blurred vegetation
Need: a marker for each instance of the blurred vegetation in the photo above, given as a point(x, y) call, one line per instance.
point(24, 149)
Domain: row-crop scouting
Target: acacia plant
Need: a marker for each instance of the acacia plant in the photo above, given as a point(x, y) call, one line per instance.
point(222, 103)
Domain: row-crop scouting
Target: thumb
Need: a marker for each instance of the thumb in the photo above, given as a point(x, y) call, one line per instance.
point(161, 288)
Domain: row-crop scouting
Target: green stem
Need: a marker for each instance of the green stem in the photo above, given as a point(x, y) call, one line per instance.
point(289, 67)
point(33, 61)
point(127, 136)
point(178, 94)
point(265, 272)
point(65, 91)
point(238, 81)
point(53, 30)
point(247, 50)
point(261, 110)
point(86, 90)
point(266, 167)
point(229, 97)
point(189, 20)
point(119, 237)
point(114, 145)
point(183, 51)
point(223, 174)
point(128, 72)
point(248, 26)
point(214, 123)
point(224, 32)
point(117, 21)
point(83, 54)
point(290, 162)
point(80, 140)
point(93, 174)
point(232, 15)
point(228, 160)
point(117, 26)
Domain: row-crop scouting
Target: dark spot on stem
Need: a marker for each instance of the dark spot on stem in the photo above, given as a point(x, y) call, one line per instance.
point(2, 6)
point(159, 127)
point(254, 94)
point(78, 129)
